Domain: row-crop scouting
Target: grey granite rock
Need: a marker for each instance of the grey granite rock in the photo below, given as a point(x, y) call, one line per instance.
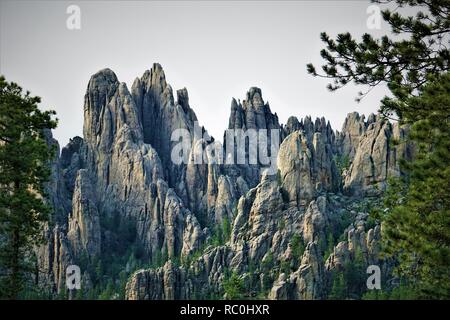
point(122, 171)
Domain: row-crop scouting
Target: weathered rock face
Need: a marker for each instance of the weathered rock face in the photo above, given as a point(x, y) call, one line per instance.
point(160, 115)
point(360, 248)
point(375, 157)
point(203, 278)
point(309, 278)
point(127, 172)
point(115, 176)
point(54, 255)
point(316, 220)
point(365, 242)
point(201, 183)
point(193, 236)
point(307, 166)
point(270, 215)
point(53, 259)
point(197, 184)
point(84, 231)
point(59, 196)
point(227, 195)
point(117, 188)
point(307, 283)
point(254, 225)
point(262, 231)
point(162, 283)
point(282, 289)
point(295, 160)
point(253, 114)
point(352, 131)
point(71, 161)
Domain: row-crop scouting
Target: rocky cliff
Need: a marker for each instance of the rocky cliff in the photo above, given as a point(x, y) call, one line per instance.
point(183, 230)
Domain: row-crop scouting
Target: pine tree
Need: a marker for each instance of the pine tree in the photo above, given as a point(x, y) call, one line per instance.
point(416, 224)
point(338, 289)
point(24, 159)
point(298, 248)
point(234, 287)
point(108, 293)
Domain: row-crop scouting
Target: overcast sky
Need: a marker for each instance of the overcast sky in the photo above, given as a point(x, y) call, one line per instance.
point(217, 50)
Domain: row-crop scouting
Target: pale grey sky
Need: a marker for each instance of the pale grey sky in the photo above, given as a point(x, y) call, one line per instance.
point(216, 49)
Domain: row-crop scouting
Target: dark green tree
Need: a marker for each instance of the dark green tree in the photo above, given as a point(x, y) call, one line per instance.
point(338, 289)
point(233, 287)
point(416, 226)
point(414, 64)
point(298, 248)
point(355, 275)
point(24, 170)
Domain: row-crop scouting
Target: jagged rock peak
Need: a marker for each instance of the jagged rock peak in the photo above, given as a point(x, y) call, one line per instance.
point(109, 110)
point(309, 127)
point(351, 119)
point(155, 77)
point(159, 115)
point(354, 127)
point(356, 124)
point(152, 93)
point(74, 146)
point(103, 82)
point(254, 93)
point(253, 113)
point(123, 171)
point(105, 75)
point(254, 99)
point(183, 99)
point(292, 125)
point(101, 85)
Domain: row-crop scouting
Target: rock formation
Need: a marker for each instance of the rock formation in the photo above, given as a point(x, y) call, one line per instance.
point(117, 193)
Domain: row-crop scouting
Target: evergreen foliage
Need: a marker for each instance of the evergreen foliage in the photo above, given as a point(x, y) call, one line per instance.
point(24, 170)
point(415, 67)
